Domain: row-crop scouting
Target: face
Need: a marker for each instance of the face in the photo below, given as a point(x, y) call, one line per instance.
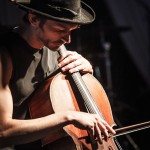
point(53, 33)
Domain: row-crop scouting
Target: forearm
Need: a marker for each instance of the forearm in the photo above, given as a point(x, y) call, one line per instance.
point(15, 131)
point(24, 131)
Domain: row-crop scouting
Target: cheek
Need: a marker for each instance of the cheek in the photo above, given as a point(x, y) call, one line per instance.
point(50, 40)
point(49, 34)
point(52, 37)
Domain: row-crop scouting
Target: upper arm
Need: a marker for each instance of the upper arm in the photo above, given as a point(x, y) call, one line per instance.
point(6, 105)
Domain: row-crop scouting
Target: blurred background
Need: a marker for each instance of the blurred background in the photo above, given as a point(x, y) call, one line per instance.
point(117, 45)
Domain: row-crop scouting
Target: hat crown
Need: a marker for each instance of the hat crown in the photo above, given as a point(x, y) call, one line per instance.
point(71, 11)
point(70, 5)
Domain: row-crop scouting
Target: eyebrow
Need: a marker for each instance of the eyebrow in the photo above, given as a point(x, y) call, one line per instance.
point(64, 26)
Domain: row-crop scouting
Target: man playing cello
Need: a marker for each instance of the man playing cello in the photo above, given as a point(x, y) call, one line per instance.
point(28, 54)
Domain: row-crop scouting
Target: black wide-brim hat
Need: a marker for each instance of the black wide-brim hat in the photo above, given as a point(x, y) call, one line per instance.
point(72, 11)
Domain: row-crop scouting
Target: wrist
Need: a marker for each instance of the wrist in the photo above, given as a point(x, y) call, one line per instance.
point(70, 117)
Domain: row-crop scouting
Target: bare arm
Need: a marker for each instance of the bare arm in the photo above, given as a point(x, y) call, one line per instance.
point(22, 131)
point(13, 131)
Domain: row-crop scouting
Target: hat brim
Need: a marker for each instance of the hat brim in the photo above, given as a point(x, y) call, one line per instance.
point(86, 16)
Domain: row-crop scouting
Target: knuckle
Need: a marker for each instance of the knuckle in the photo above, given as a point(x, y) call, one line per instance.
point(74, 52)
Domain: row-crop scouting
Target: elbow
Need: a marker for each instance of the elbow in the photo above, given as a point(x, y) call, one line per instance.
point(5, 136)
point(4, 142)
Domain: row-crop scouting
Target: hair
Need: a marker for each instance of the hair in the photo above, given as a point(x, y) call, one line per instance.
point(25, 19)
point(41, 18)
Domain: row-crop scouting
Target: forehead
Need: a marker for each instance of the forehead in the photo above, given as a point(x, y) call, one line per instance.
point(62, 24)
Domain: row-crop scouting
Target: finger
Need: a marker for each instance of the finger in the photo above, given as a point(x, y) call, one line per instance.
point(109, 128)
point(74, 55)
point(76, 69)
point(83, 65)
point(68, 59)
point(64, 62)
point(104, 130)
point(75, 66)
point(98, 134)
point(64, 55)
point(91, 134)
point(72, 64)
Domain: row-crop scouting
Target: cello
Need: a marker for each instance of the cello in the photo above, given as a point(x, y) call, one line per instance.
point(76, 92)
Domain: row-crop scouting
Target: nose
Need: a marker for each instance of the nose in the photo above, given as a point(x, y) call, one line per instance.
point(66, 38)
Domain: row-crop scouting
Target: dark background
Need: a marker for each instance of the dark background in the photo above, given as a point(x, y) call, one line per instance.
point(117, 44)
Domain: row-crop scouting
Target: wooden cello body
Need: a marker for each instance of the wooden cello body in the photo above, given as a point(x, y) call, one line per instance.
point(60, 93)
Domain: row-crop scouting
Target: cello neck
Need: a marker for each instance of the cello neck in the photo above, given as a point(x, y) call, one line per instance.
point(88, 100)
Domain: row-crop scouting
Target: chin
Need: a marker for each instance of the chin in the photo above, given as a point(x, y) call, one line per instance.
point(53, 47)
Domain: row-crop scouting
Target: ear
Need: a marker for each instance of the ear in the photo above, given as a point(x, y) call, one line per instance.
point(33, 19)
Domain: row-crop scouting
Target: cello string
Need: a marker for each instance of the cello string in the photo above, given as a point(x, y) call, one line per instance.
point(89, 101)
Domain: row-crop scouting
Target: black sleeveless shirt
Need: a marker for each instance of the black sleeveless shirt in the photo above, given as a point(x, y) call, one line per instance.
point(30, 67)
